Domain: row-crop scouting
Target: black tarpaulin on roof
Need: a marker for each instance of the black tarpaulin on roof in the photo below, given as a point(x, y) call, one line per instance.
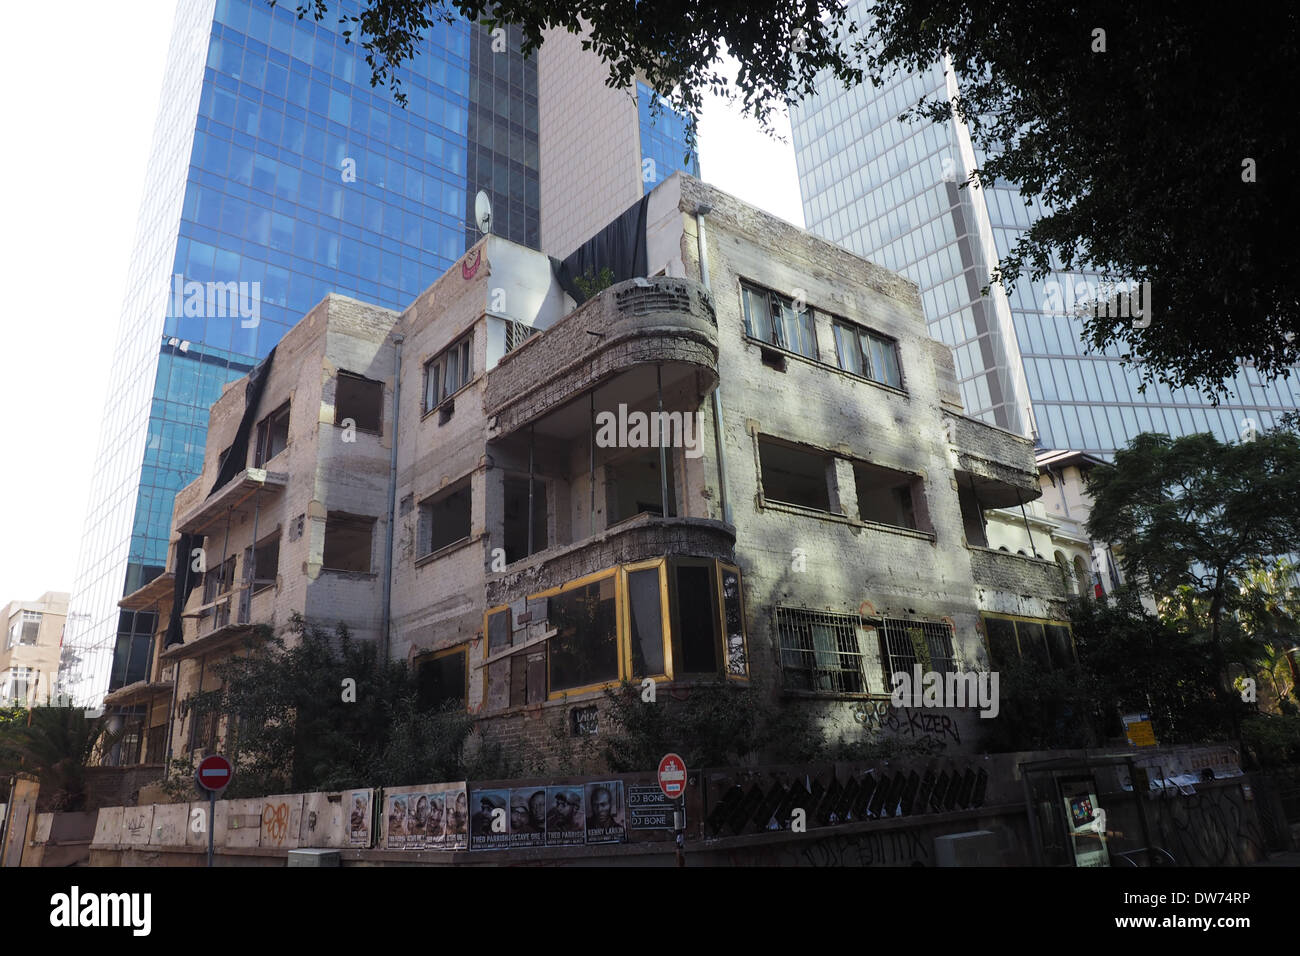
point(619, 247)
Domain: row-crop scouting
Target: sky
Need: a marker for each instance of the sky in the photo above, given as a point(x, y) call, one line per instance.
point(78, 121)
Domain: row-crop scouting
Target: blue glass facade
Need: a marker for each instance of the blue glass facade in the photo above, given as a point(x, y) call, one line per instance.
point(663, 140)
point(889, 192)
point(277, 175)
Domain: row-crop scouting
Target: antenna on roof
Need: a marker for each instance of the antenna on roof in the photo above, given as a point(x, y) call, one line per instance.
point(483, 212)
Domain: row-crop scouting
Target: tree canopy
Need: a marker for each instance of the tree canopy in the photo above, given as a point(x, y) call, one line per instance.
point(676, 45)
point(1194, 517)
point(1156, 139)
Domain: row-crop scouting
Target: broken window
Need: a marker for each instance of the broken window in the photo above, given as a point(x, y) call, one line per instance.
point(773, 318)
point(733, 623)
point(445, 517)
point(885, 495)
point(272, 436)
point(31, 621)
point(449, 372)
point(584, 650)
point(696, 619)
point(517, 507)
point(264, 565)
point(359, 399)
point(868, 354)
point(498, 629)
point(796, 476)
point(1002, 640)
point(347, 542)
point(441, 679)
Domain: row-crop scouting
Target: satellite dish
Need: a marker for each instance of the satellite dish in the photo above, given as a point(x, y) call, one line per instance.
point(483, 212)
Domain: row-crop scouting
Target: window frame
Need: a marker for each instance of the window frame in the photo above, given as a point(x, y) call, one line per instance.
point(463, 484)
point(880, 623)
point(828, 471)
point(720, 567)
point(781, 610)
point(461, 347)
point(349, 516)
point(619, 635)
point(665, 619)
point(1017, 619)
point(264, 431)
point(866, 358)
point(445, 652)
point(339, 417)
point(776, 322)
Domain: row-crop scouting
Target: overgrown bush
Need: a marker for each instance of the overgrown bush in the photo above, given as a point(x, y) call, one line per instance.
point(328, 714)
point(1272, 741)
point(712, 726)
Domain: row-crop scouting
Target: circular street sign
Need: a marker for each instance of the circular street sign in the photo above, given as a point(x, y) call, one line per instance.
point(672, 776)
point(214, 773)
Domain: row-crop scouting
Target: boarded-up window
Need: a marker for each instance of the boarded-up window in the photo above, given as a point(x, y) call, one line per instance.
point(347, 542)
point(528, 677)
point(360, 399)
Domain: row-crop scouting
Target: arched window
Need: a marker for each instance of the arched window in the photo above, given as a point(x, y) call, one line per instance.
point(1082, 575)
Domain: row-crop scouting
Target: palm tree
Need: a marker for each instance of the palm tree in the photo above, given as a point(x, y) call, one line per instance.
point(54, 744)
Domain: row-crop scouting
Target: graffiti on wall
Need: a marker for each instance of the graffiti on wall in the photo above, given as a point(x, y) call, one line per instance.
point(882, 716)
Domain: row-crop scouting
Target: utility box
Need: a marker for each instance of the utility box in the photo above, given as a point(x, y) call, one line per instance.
point(975, 848)
point(315, 858)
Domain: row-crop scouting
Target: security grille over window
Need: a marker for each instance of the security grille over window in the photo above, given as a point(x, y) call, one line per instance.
point(904, 643)
point(516, 334)
point(820, 651)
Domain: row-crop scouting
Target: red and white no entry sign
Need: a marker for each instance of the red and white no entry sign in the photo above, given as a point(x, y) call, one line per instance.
point(672, 776)
point(214, 773)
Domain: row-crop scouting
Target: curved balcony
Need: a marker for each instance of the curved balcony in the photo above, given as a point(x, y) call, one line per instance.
point(624, 333)
point(637, 539)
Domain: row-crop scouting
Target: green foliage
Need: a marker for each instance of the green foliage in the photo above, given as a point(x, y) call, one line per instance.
point(1272, 741)
point(56, 746)
point(293, 731)
point(1137, 151)
point(1043, 709)
point(717, 725)
point(1194, 517)
point(676, 45)
point(590, 283)
point(1133, 661)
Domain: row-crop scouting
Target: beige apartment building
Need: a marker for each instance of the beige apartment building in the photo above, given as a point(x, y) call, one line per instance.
point(29, 649)
point(742, 461)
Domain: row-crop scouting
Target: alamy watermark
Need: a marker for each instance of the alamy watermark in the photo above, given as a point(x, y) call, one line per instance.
point(217, 300)
point(933, 689)
point(626, 429)
point(1124, 299)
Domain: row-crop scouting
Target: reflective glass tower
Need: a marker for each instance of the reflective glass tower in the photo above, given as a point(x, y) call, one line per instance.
point(277, 175)
point(889, 192)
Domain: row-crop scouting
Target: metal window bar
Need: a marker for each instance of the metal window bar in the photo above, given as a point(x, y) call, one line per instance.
point(516, 334)
point(902, 641)
point(820, 651)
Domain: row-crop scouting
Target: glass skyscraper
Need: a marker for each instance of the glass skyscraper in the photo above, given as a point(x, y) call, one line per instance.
point(889, 191)
point(277, 175)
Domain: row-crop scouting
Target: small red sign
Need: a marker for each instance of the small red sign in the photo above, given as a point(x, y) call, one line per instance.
point(672, 776)
point(214, 773)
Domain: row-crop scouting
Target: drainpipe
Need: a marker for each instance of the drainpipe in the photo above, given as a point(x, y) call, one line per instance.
point(663, 452)
point(392, 508)
point(701, 242)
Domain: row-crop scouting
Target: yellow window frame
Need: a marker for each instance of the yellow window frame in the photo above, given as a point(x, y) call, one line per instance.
point(619, 634)
point(722, 566)
point(1045, 621)
point(625, 618)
